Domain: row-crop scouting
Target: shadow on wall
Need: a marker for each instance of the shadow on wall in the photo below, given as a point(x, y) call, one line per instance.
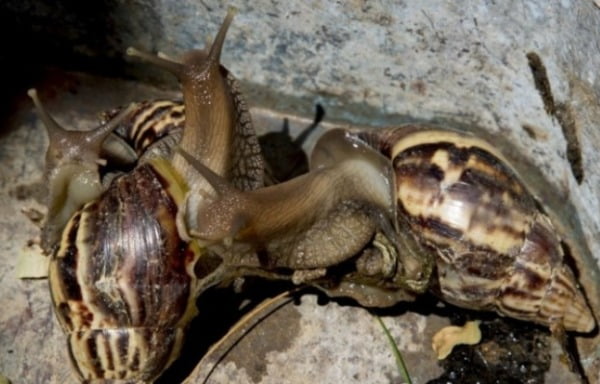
point(86, 36)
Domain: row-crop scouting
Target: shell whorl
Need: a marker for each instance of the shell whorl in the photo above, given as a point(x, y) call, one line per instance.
point(116, 296)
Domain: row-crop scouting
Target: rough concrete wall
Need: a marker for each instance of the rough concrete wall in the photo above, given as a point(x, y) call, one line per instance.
point(374, 63)
point(368, 63)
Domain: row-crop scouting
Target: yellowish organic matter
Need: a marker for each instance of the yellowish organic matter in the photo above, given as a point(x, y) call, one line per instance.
point(448, 337)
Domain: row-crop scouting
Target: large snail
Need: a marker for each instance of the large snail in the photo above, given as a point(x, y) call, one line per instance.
point(494, 247)
point(407, 209)
point(458, 203)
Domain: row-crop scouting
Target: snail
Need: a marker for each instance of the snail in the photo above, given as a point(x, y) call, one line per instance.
point(123, 282)
point(494, 246)
point(457, 204)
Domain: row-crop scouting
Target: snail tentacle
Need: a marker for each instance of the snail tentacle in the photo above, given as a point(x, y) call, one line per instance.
point(75, 146)
point(159, 60)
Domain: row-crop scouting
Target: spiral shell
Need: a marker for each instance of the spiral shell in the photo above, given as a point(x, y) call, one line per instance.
point(494, 246)
point(122, 280)
point(437, 197)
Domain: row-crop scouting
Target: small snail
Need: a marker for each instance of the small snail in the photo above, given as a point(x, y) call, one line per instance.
point(123, 282)
point(456, 202)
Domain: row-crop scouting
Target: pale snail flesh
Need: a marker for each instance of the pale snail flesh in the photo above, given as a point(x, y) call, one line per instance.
point(276, 216)
point(122, 280)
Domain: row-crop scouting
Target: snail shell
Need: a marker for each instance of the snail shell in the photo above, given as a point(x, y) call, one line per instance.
point(122, 280)
point(494, 246)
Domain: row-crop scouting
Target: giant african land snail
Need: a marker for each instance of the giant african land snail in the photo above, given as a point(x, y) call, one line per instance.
point(461, 202)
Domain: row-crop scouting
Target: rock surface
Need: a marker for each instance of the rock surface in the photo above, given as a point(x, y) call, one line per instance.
point(526, 74)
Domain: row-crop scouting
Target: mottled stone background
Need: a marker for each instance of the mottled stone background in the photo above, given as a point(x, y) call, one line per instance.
point(369, 63)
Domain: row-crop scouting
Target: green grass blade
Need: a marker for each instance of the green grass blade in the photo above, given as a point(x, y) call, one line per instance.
point(399, 360)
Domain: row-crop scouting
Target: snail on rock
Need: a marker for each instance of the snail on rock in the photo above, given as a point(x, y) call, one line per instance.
point(122, 280)
point(457, 202)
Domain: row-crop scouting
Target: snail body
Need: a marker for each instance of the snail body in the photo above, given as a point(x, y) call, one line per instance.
point(123, 282)
point(300, 224)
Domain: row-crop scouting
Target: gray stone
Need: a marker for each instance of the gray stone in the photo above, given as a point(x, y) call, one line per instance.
point(370, 64)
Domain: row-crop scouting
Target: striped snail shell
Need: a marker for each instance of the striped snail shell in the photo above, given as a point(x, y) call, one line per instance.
point(122, 280)
point(494, 246)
